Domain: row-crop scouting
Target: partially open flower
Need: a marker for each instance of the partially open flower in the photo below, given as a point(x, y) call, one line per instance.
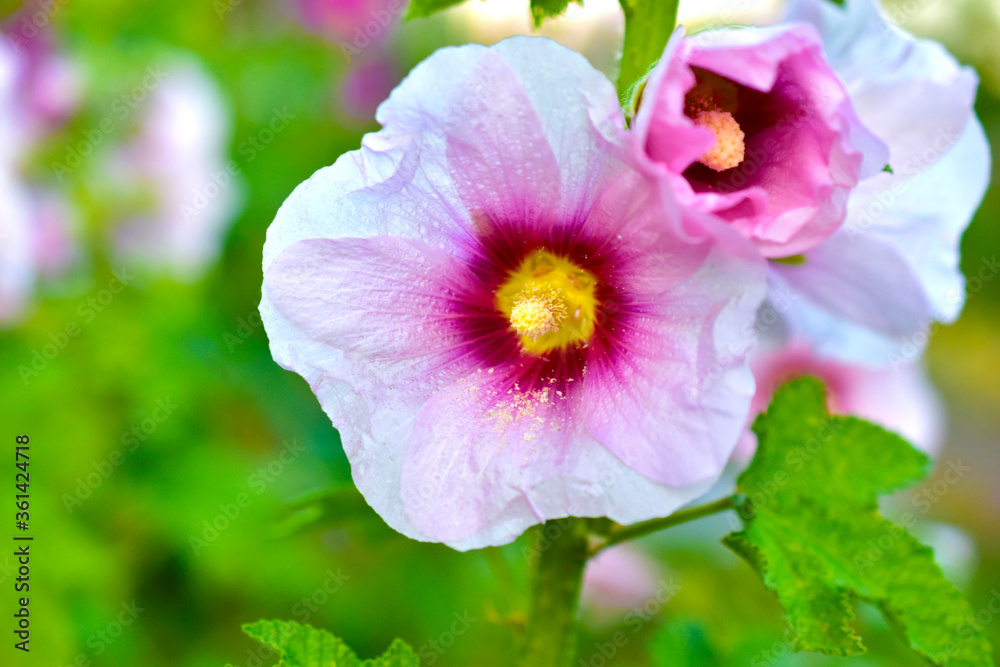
point(754, 126)
point(488, 303)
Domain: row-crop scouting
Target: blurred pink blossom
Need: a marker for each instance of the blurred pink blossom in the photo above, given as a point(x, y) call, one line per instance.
point(618, 578)
point(900, 399)
point(367, 84)
point(38, 90)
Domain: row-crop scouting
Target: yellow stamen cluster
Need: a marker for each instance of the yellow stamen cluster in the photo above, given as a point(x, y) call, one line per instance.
point(549, 302)
point(537, 313)
point(729, 148)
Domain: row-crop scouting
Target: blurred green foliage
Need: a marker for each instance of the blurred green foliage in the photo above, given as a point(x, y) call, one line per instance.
point(120, 575)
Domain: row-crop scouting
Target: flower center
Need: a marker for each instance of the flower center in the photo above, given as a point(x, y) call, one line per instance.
point(706, 104)
point(549, 301)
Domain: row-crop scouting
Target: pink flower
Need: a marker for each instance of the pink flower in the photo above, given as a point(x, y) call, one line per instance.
point(754, 126)
point(900, 399)
point(489, 305)
point(180, 158)
point(49, 83)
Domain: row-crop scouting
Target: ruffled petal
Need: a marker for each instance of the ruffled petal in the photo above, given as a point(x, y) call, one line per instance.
point(673, 408)
point(911, 92)
point(470, 130)
point(873, 292)
point(366, 322)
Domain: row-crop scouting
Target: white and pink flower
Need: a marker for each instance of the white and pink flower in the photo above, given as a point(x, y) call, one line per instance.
point(490, 307)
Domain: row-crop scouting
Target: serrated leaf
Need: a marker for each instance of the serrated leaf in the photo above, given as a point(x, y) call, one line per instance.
point(648, 26)
point(422, 8)
point(305, 646)
point(812, 530)
point(543, 9)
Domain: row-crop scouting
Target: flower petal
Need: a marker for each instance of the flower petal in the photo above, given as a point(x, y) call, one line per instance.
point(872, 293)
point(684, 380)
point(912, 93)
point(470, 128)
point(482, 468)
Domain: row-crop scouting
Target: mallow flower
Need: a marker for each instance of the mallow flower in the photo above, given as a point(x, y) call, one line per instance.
point(493, 305)
point(753, 125)
point(873, 291)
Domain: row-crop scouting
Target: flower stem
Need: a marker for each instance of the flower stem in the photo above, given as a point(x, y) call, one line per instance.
point(561, 551)
point(623, 533)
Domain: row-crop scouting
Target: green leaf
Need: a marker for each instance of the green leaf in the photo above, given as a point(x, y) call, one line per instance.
point(422, 8)
point(8, 7)
point(812, 530)
point(305, 646)
point(648, 26)
point(543, 9)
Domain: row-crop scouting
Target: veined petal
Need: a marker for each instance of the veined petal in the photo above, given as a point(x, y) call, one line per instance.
point(644, 407)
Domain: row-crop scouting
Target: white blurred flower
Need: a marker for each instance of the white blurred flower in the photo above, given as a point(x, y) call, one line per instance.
point(180, 159)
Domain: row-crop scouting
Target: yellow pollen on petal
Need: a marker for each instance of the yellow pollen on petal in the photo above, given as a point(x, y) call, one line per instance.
point(549, 302)
point(729, 148)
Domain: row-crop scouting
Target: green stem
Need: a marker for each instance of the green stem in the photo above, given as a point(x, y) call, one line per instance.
point(623, 533)
point(648, 25)
point(561, 553)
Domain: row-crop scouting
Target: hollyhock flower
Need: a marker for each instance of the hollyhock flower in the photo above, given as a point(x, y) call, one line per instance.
point(179, 158)
point(618, 578)
point(871, 292)
point(901, 400)
point(490, 305)
point(754, 126)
